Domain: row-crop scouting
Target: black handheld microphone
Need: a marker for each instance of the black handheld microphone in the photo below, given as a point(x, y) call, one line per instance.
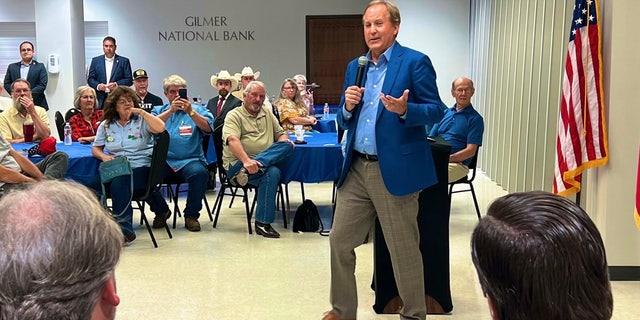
point(362, 63)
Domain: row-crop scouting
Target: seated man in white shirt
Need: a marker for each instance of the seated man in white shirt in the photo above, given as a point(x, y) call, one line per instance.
point(16, 169)
point(5, 103)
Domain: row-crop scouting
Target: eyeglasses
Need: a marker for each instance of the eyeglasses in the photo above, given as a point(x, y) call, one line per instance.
point(21, 90)
point(125, 100)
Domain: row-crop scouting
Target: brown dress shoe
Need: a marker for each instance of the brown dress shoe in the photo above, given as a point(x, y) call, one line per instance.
point(329, 315)
point(192, 224)
point(160, 220)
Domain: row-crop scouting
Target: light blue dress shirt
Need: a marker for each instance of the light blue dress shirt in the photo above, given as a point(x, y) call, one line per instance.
point(365, 139)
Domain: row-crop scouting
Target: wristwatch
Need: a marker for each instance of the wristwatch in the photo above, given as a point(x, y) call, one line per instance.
point(192, 113)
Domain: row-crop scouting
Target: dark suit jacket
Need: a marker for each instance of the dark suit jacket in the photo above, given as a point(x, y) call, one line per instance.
point(404, 154)
point(120, 74)
point(229, 104)
point(37, 78)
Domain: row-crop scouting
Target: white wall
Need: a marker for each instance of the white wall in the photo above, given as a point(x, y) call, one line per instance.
point(437, 28)
point(17, 11)
point(278, 27)
point(440, 29)
point(612, 191)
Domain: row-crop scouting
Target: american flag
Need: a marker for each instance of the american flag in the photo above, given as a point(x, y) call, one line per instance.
point(582, 140)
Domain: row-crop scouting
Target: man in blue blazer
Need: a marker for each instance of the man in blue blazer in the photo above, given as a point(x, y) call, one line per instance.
point(31, 70)
point(387, 162)
point(108, 71)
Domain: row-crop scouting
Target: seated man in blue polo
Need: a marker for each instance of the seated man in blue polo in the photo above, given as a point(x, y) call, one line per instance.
point(187, 124)
point(255, 149)
point(462, 127)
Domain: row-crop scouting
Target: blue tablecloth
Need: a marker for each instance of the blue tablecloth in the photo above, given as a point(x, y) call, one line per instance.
point(83, 167)
point(326, 125)
point(317, 161)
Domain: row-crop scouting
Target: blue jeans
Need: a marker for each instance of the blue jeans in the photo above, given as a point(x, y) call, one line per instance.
point(267, 179)
point(197, 176)
point(120, 190)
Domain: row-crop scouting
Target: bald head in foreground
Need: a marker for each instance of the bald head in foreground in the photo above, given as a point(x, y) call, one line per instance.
point(539, 256)
point(58, 252)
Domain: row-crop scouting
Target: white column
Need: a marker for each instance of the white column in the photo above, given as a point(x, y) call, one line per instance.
point(60, 30)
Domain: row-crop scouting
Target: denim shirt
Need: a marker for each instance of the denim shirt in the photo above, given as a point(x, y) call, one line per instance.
point(186, 138)
point(132, 140)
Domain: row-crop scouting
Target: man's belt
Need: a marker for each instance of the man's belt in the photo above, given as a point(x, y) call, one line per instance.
point(368, 157)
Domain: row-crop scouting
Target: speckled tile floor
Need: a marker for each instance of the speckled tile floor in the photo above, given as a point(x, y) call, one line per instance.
point(225, 273)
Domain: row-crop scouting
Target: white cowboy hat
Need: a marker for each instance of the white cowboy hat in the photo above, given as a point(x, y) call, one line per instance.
point(224, 75)
point(247, 71)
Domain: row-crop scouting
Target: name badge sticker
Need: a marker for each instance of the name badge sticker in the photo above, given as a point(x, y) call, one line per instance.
point(185, 130)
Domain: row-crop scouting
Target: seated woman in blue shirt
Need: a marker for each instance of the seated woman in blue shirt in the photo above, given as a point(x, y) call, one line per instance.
point(128, 131)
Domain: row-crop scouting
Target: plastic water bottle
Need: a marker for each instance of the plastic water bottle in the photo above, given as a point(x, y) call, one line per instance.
point(199, 100)
point(67, 134)
point(325, 111)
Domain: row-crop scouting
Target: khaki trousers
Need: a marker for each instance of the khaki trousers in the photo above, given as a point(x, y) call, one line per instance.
point(361, 199)
point(457, 171)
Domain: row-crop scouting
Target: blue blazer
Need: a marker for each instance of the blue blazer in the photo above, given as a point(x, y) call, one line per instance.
point(37, 78)
point(120, 74)
point(404, 154)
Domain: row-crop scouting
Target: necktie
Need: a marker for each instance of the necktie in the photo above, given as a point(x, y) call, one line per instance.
point(220, 103)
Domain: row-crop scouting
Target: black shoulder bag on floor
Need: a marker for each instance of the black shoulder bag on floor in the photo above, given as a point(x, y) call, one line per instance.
point(307, 218)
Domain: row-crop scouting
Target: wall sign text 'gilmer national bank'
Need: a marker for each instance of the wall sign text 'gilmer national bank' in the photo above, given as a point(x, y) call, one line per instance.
point(202, 31)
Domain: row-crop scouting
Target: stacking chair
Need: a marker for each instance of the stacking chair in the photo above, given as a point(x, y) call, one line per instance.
point(468, 180)
point(70, 113)
point(60, 124)
point(174, 179)
point(156, 174)
point(229, 189)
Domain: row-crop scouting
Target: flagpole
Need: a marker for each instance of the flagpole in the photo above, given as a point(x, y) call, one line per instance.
point(585, 104)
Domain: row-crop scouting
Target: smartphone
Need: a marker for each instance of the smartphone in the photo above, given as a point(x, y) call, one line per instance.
point(183, 93)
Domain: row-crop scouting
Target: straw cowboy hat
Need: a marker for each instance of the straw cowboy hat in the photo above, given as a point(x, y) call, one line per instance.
point(247, 71)
point(224, 75)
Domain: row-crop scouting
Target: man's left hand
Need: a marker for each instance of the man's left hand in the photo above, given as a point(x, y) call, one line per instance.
point(395, 105)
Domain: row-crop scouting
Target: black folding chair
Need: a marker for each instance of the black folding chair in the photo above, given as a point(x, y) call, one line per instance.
point(229, 189)
point(468, 180)
point(60, 125)
point(156, 175)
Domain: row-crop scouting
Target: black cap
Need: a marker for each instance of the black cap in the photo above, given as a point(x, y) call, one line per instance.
point(140, 73)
